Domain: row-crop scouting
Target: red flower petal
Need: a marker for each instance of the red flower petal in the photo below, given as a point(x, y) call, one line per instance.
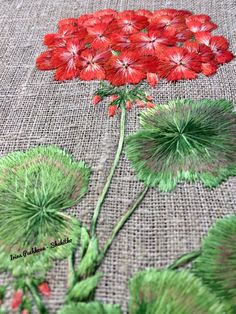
point(209, 68)
point(69, 21)
point(203, 38)
point(64, 73)
point(152, 79)
point(202, 18)
point(44, 61)
point(224, 56)
point(197, 26)
point(219, 43)
point(147, 43)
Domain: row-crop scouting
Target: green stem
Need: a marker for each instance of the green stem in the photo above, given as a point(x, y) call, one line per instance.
point(184, 259)
point(71, 270)
point(113, 168)
point(41, 307)
point(120, 224)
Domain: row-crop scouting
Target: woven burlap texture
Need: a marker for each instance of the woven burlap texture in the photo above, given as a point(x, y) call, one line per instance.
point(37, 110)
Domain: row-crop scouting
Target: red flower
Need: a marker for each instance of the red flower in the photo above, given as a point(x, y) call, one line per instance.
point(152, 79)
point(199, 23)
point(129, 22)
point(44, 289)
point(177, 63)
point(92, 63)
point(129, 46)
point(25, 311)
point(218, 45)
point(66, 59)
point(98, 36)
point(202, 50)
point(148, 43)
point(129, 67)
point(65, 32)
point(96, 99)
point(209, 65)
point(17, 299)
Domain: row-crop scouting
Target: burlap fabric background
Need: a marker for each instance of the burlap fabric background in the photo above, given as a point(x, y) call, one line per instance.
point(37, 110)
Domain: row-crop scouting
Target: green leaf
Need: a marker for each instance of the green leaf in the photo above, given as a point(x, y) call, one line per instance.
point(171, 292)
point(89, 261)
point(185, 140)
point(90, 308)
point(216, 265)
point(83, 289)
point(36, 187)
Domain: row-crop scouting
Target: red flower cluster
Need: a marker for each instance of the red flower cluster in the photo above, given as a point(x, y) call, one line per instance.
point(130, 46)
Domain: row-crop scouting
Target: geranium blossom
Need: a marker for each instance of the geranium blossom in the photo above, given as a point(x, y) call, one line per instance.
point(91, 63)
point(152, 41)
point(131, 46)
point(177, 63)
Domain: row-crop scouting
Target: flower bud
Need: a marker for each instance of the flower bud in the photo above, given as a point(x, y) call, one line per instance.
point(152, 79)
point(139, 103)
point(17, 299)
point(44, 289)
point(114, 97)
point(112, 110)
point(96, 99)
point(150, 104)
point(149, 97)
point(128, 105)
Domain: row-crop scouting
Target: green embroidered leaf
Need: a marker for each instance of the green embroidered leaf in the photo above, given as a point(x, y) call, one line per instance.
point(217, 264)
point(90, 308)
point(171, 292)
point(83, 289)
point(185, 140)
point(89, 261)
point(36, 187)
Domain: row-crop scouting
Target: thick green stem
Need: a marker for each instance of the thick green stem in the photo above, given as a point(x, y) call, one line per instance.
point(184, 259)
point(71, 270)
point(41, 307)
point(110, 176)
point(120, 224)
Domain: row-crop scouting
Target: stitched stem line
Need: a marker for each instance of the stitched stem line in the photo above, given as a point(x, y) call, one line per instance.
point(184, 259)
point(112, 171)
point(120, 224)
